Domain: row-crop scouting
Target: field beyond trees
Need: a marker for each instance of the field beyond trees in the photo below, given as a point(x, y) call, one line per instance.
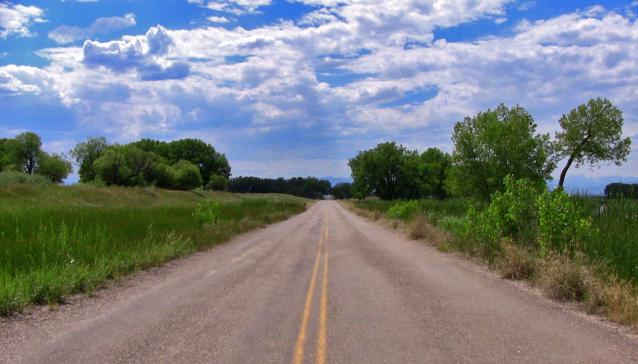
point(56, 240)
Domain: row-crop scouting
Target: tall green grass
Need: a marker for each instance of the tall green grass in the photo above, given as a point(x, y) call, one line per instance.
point(55, 241)
point(616, 238)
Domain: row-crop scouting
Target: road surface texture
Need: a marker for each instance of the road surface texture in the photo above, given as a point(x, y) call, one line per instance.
point(323, 286)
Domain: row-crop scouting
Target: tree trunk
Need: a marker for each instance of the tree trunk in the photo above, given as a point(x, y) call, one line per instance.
point(564, 172)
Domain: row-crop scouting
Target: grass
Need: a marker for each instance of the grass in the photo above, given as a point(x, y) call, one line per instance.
point(603, 277)
point(56, 241)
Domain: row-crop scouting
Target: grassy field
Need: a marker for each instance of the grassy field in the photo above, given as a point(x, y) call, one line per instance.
point(55, 241)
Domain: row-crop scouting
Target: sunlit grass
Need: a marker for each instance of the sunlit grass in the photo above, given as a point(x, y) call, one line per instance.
point(55, 241)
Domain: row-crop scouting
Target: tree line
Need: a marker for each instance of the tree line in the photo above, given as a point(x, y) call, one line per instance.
point(24, 154)
point(488, 147)
point(310, 187)
point(182, 164)
point(622, 190)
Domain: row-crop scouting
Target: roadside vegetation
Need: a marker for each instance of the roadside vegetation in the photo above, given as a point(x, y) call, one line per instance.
point(56, 240)
point(489, 199)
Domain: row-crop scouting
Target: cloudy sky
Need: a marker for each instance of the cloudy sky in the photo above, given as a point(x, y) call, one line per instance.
point(296, 87)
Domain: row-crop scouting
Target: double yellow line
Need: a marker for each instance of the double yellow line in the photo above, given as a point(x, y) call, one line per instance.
point(320, 356)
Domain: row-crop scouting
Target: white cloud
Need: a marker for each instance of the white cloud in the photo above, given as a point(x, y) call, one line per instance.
point(217, 19)
point(16, 19)
point(69, 34)
point(237, 7)
point(249, 85)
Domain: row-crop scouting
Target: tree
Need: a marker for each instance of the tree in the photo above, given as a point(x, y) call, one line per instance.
point(111, 167)
point(217, 182)
point(494, 144)
point(25, 149)
point(202, 155)
point(389, 170)
point(5, 153)
point(188, 176)
point(592, 133)
point(435, 164)
point(85, 154)
point(55, 167)
point(342, 191)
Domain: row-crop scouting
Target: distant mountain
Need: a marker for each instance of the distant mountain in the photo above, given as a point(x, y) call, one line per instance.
point(335, 180)
point(591, 185)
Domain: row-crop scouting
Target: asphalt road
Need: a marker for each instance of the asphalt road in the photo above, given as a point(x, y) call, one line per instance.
point(324, 286)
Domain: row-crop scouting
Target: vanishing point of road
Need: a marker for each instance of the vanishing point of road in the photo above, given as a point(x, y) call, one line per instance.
point(325, 286)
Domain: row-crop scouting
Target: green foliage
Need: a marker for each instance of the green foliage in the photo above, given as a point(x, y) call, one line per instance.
point(622, 190)
point(25, 151)
point(480, 233)
point(516, 210)
point(187, 175)
point(403, 210)
point(54, 166)
point(207, 213)
point(434, 166)
point(112, 168)
point(217, 182)
point(592, 133)
point(309, 187)
point(562, 227)
point(85, 154)
point(342, 191)
point(12, 177)
point(494, 144)
point(391, 171)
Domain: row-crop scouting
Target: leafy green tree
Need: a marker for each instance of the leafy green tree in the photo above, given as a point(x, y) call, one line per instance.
point(25, 149)
point(111, 167)
point(434, 166)
point(494, 144)
point(390, 171)
point(161, 175)
point(54, 166)
point(592, 133)
point(85, 154)
point(217, 182)
point(188, 175)
point(342, 191)
point(5, 153)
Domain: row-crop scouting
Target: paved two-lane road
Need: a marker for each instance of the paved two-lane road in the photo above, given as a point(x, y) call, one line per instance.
point(324, 286)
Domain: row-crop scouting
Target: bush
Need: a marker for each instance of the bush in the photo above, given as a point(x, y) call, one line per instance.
point(11, 177)
point(187, 175)
point(561, 225)
point(217, 183)
point(403, 210)
point(54, 166)
point(516, 209)
point(207, 213)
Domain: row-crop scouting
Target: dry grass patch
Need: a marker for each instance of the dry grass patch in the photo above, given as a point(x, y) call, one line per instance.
point(516, 263)
point(563, 279)
point(419, 228)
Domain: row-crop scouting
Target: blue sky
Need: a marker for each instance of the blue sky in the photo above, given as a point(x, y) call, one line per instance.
point(296, 87)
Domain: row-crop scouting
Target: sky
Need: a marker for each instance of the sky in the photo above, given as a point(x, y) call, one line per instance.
point(297, 87)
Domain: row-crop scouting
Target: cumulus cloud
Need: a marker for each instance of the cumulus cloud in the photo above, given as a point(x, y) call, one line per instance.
point(142, 53)
point(69, 34)
point(274, 84)
point(16, 19)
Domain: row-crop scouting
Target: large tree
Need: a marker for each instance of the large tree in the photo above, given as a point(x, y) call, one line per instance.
point(25, 150)
point(494, 144)
point(390, 171)
point(434, 166)
point(592, 133)
point(54, 166)
point(85, 154)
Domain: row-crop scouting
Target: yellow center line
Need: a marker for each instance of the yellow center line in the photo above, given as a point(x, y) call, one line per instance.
point(323, 310)
point(301, 338)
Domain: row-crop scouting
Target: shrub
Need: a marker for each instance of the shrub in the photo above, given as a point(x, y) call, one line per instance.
point(561, 225)
point(563, 278)
point(11, 177)
point(187, 175)
point(516, 209)
point(207, 213)
point(517, 263)
point(54, 166)
point(217, 183)
point(403, 210)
